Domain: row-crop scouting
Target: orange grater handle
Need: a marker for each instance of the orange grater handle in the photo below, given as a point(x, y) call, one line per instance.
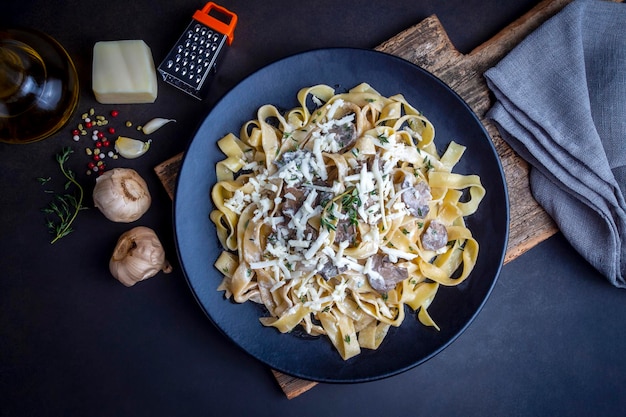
point(226, 28)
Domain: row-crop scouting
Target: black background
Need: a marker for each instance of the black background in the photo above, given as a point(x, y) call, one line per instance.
point(75, 342)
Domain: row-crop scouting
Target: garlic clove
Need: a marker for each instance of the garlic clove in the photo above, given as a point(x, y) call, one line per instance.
point(131, 148)
point(122, 195)
point(155, 124)
point(138, 255)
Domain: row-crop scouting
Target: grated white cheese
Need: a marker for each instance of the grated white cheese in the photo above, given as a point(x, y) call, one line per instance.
point(278, 285)
point(264, 205)
point(339, 256)
point(317, 101)
point(274, 221)
point(395, 254)
point(299, 243)
point(383, 190)
point(264, 264)
point(285, 270)
point(319, 159)
point(332, 108)
point(321, 240)
point(238, 202)
point(278, 250)
point(339, 293)
point(294, 256)
point(250, 166)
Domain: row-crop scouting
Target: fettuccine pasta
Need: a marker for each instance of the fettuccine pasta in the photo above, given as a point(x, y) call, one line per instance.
point(339, 212)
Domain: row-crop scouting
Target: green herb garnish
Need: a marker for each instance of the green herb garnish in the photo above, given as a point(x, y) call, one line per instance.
point(428, 164)
point(64, 207)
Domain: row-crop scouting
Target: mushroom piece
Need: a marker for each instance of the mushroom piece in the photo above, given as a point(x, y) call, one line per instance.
point(435, 236)
point(416, 197)
point(289, 156)
point(387, 274)
point(293, 198)
point(330, 270)
point(345, 230)
point(344, 135)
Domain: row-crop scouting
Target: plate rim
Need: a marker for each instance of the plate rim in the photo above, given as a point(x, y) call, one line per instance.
point(485, 135)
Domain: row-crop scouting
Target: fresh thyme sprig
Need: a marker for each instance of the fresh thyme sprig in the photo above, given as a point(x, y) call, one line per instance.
point(350, 202)
point(64, 207)
point(328, 218)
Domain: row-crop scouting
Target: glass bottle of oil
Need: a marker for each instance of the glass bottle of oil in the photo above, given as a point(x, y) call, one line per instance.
point(38, 86)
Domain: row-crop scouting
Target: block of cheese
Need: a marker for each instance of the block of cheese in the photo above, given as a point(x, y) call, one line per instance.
point(123, 72)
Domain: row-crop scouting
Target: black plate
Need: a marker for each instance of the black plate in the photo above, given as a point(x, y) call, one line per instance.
point(198, 247)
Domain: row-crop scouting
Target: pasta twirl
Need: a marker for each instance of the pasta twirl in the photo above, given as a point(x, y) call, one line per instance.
point(339, 213)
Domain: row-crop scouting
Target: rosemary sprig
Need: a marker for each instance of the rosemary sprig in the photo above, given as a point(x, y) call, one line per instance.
point(64, 207)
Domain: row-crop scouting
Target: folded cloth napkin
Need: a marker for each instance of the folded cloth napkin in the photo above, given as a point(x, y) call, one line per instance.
point(561, 105)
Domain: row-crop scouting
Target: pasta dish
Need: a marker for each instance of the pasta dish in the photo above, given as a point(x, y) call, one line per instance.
point(338, 213)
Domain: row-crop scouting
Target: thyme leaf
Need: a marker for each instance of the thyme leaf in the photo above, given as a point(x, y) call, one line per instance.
point(64, 207)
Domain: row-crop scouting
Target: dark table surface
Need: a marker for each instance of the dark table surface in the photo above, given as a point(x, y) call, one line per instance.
point(75, 342)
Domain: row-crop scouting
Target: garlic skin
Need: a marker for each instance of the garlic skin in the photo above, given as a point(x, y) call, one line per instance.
point(137, 256)
point(122, 195)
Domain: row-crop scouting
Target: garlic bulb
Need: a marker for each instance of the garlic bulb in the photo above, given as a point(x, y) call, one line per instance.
point(121, 195)
point(138, 255)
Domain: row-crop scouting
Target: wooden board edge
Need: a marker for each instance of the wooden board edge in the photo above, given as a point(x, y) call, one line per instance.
point(292, 386)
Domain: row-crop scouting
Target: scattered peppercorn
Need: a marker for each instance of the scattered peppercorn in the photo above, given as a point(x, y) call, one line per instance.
point(92, 124)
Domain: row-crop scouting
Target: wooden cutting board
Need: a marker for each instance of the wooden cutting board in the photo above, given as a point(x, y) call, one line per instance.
point(427, 45)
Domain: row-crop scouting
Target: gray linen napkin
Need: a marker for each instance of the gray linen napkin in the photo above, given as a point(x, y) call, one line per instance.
point(561, 105)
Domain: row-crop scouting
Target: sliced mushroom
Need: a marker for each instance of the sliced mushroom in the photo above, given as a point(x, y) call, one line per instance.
point(345, 230)
point(287, 157)
point(293, 198)
point(416, 197)
point(435, 236)
point(345, 135)
point(387, 274)
point(330, 270)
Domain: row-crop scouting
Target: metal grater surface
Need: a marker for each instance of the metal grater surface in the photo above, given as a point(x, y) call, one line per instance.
point(192, 62)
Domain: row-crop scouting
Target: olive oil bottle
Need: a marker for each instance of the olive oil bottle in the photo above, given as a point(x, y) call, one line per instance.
point(38, 86)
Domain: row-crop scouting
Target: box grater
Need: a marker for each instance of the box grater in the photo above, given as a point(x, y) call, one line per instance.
point(192, 62)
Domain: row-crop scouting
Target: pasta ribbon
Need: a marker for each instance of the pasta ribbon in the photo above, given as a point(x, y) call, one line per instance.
point(340, 216)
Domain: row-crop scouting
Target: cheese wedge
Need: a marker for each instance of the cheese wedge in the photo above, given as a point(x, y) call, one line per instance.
point(123, 72)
